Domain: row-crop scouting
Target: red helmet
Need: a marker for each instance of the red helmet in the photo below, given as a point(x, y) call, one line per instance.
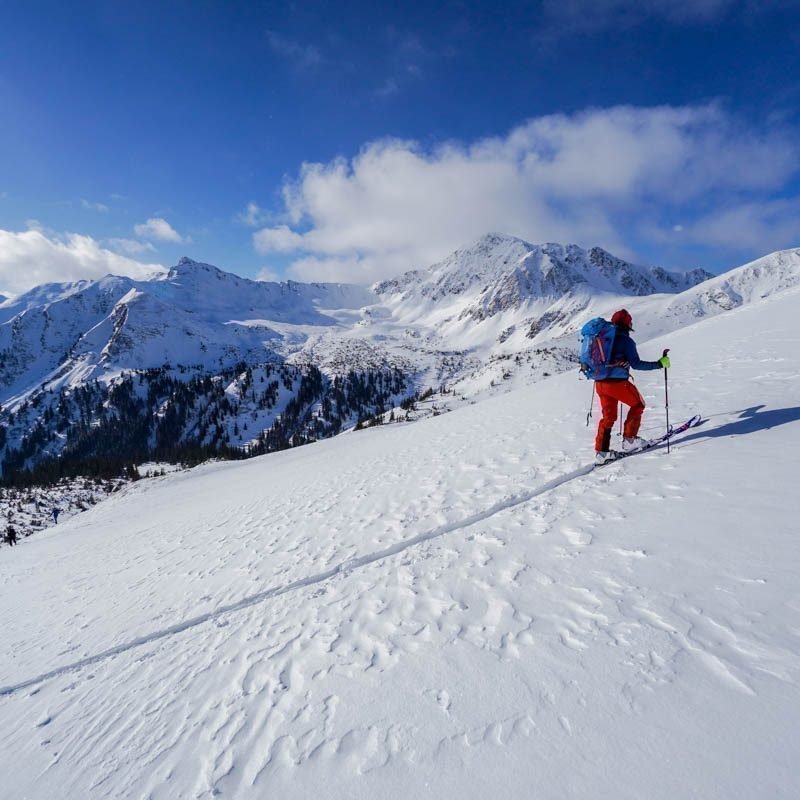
point(622, 317)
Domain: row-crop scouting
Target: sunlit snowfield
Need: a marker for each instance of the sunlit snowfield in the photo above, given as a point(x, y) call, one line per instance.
point(454, 608)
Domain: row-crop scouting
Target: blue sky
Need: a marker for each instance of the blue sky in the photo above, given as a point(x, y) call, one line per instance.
point(354, 140)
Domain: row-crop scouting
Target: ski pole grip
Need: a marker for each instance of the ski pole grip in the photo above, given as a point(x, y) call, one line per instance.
point(666, 350)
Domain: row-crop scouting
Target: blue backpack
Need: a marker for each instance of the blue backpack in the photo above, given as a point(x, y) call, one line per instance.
point(597, 339)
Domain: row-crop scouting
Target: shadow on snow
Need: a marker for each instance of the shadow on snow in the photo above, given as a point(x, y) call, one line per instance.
point(750, 420)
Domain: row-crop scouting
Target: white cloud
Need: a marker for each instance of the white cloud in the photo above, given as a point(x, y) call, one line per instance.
point(101, 207)
point(596, 177)
point(346, 270)
point(29, 258)
point(253, 216)
point(159, 229)
point(132, 246)
point(757, 227)
point(281, 240)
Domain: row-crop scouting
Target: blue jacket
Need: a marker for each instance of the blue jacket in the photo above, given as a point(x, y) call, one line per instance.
point(625, 352)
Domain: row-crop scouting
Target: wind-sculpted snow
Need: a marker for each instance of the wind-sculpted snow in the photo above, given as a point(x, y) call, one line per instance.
point(453, 609)
point(268, 594)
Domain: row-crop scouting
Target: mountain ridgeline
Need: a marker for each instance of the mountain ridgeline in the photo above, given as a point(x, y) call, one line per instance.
point(198, 363)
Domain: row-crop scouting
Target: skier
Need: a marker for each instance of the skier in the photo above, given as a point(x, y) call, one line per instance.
point(56, 512)
point(618, 388)
point(11, 536)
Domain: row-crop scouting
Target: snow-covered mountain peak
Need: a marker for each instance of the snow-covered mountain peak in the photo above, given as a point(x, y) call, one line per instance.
point(186, 268)
point(488, 257)
point(500, 272)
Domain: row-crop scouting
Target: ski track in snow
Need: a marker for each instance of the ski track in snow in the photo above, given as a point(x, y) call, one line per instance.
point(344, 567)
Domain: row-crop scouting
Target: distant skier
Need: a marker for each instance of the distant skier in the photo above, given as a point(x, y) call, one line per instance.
point(618, 388)
point(11, 536)
point(56, 512)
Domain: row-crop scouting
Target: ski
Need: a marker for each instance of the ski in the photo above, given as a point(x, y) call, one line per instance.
point(617, 454)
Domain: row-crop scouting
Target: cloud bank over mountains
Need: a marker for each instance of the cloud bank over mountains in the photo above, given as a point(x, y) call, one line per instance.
point(673, 185)
point(39, 255)
point(617, 177)
point(32, 257)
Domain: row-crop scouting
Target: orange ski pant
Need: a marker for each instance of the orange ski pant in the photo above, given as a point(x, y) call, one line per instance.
point(611, 393)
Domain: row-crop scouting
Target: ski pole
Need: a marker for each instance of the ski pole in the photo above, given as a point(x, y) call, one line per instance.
point(666, 395)
point(591, 403)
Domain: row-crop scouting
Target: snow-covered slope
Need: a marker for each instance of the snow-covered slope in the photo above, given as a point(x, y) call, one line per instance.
point(453, 609)
point(765, 277)
point(754, 281)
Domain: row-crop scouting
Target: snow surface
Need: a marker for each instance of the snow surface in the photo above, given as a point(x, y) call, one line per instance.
point(457, 608)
